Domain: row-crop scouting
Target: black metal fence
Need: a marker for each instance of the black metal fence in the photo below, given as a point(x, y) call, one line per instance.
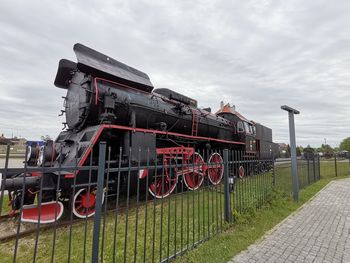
point(308, 173)
point(335, 166)
point(196, 200)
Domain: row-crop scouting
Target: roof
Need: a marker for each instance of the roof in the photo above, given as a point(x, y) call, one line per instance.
point(228, 109)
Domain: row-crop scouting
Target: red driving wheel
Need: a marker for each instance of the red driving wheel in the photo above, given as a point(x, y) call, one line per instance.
point(215, 168)
point(193, 173)
point(84, 202)
point(163, 184)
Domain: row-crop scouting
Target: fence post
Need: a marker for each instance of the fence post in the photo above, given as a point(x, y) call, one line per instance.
point(308, 171)
point(335, 165)
point(98, 207)
point(314, 169)
point(273, 171)
point(227, 208)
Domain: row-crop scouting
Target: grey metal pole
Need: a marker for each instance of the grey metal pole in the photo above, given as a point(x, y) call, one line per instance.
point(227, 208)
point(293, 151)
point(98, 206)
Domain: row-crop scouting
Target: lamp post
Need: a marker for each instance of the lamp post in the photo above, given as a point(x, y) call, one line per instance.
point(293, 150)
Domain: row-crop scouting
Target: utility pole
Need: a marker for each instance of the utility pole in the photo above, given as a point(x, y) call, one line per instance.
point(293, 151)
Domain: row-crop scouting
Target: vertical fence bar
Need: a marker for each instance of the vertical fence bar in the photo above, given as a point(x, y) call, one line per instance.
point(127, 206)
point(39, 201)
point(71, 211)
point(233, 195)
point(308, 171)
point(21, 209)
point(195, 168)
point(105, 197)
point(335, 165)
point(314, 169)
point(137, 205)
point(57, 196)
point(227, 210)
point(97, 218)
point(203, 199)
point(319, 167)
point(3, 177)
point(273, 171)
point(146, 206)
point(117, 207)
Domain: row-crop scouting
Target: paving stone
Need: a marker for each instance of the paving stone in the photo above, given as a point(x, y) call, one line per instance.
point(318, 232)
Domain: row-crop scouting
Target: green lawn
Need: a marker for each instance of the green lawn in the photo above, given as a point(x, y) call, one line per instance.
point(5, 205)
point(173, 224)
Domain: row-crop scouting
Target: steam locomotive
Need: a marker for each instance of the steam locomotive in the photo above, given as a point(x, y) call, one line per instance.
point(109, 101)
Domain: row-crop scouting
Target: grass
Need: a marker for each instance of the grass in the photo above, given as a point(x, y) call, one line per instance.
point(5, 205)
point(162, 227)
point(186, 218)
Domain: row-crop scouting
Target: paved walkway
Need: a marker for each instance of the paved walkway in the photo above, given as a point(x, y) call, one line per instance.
point(318, 232)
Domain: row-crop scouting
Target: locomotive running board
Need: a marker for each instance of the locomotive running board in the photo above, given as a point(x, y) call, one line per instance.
point(46, 213)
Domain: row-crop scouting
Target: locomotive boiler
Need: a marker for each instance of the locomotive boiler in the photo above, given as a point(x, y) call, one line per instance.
point(109, 101)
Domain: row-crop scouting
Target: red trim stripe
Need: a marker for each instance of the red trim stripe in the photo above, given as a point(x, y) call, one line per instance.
point(120, 127)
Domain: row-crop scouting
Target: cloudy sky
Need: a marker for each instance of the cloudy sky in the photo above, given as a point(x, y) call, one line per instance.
point(257, 55)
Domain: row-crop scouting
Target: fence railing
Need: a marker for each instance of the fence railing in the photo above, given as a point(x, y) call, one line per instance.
point(150, 211)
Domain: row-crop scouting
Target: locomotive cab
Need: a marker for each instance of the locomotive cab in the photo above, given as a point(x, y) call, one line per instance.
point(245, 132)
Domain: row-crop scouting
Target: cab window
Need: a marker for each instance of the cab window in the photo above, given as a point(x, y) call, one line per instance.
point(254, 130)
point(240, 127)
point(246, 126)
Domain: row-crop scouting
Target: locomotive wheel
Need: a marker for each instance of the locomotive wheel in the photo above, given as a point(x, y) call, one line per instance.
point(83, 204)
point(194, 175)
point(241, 171)
point(215, 168)
point(163, 184)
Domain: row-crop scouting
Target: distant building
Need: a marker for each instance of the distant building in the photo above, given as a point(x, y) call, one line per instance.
point(12, 141)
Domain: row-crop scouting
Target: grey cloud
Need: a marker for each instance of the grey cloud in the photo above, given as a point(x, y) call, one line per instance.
point(255, 54)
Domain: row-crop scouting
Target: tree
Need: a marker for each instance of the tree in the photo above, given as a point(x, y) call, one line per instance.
point(345, 145)
point(309, 149)
point(326, 148)
point(299, 150)
point(288, 151)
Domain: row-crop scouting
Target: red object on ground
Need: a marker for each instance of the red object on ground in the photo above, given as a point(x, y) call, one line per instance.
point(47, 212)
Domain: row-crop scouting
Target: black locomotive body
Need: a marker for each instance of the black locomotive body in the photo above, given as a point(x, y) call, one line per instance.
point(112, 102)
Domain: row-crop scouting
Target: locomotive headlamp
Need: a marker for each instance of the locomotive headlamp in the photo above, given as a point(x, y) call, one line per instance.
point(29, 153)
point(41, 156)
point(46, 153)
point(32, 154)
